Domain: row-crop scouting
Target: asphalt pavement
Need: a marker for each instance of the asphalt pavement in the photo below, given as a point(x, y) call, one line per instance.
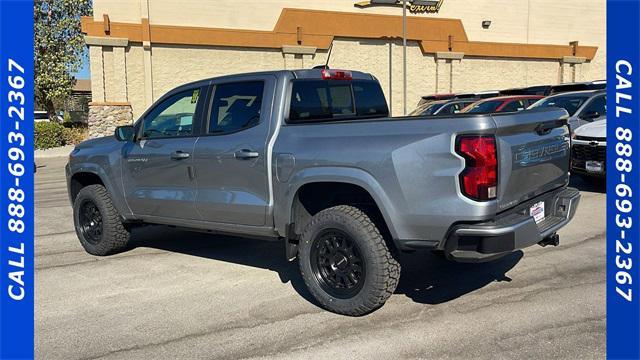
point(184, 295)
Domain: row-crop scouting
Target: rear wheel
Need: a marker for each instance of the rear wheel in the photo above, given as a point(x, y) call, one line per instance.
point(346, 263)
point(97, 222)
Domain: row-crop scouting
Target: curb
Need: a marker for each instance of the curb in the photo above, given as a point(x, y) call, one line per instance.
point(61, 151)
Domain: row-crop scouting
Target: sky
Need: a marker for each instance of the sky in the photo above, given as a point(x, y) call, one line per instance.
point(83, 73)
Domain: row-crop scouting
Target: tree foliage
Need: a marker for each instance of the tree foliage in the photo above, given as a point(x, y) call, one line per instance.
point(58, 48)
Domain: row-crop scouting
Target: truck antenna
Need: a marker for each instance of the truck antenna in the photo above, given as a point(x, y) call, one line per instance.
point(326, 65)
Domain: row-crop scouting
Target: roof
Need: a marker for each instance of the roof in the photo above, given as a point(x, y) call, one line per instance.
point(512, 97)
point(82, 85)
point(581, 92)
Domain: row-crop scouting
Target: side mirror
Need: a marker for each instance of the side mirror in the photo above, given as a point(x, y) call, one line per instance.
point(590, 115)
point(125, 133)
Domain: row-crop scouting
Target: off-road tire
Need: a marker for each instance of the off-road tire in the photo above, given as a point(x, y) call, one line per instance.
point(115, 235)
point(382, 271)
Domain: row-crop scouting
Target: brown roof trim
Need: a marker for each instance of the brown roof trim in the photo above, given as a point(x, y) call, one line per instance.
point(320, 27)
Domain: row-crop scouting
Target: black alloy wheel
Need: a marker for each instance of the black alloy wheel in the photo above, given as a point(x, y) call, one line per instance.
point(90, 221)
point(337, 264)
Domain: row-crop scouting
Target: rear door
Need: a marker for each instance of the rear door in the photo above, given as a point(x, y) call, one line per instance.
point(533, 154)
point(231, 155)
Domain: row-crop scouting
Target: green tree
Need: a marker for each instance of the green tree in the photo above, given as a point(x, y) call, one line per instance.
point(59, 49)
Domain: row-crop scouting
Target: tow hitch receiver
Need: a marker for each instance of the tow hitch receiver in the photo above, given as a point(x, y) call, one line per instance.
point(553, 240)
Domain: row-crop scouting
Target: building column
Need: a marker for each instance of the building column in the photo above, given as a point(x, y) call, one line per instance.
point(96, 65)
point(569, 66)
point(120, 71)
point(148, 73)
point(107, 111)
point(447, 65)
point(298, 56)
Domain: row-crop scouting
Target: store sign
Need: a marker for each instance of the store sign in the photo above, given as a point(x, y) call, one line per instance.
point(414, 6)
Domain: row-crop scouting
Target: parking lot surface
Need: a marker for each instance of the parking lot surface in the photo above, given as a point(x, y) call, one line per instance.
point(178, 294)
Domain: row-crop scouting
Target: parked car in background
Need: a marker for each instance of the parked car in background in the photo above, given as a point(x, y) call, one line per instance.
point(501, 104)
point(435, 97)
point(40, 115)
point(468, 95)
point(583, 106)
point(589, 150)
point(478, 95)
point(544, 90)
point(442, 107)
point(579, 86)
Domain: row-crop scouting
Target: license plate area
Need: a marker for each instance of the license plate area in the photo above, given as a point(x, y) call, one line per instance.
point(537, 211)
point(594, 166)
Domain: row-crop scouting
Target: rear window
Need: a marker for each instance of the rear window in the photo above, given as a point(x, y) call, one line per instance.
point(318, 100)
point(427, 109)
point(484, 107)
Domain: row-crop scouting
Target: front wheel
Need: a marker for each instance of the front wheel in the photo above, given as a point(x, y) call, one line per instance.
point(97, 222)
point(346, 263)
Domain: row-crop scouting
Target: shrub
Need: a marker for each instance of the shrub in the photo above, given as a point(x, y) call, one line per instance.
point(48, 135)
point(74, 135)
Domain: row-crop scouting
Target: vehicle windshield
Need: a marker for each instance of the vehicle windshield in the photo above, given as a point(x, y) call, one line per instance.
point(484, 107)
point(426, 109)
point(571, 103)
point(41, 115)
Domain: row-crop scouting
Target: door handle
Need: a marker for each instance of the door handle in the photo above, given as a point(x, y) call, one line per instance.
point(246, 154)
point(179, 155)
point(545, 128)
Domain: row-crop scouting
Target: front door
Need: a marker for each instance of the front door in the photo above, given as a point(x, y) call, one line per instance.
point(158, 167)
point(231, 155)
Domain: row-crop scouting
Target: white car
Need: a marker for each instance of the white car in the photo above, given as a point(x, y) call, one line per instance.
point(589, 150)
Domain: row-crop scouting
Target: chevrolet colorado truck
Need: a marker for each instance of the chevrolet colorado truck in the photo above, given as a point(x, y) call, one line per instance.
point(312, 158)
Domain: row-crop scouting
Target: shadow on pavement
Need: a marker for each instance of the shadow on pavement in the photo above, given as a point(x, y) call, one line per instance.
point(426, 278)
point(262, 254)
point(430, 279)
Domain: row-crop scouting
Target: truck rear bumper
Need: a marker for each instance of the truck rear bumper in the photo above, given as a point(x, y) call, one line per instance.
point(512, 230)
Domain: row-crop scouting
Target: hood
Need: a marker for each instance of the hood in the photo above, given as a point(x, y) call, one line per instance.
point(594, 129)
point(97, 142)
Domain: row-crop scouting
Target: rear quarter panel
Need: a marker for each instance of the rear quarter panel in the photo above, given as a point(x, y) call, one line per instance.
point(408, 165)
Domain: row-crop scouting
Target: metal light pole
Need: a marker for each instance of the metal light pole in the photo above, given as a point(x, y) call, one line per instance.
point(404, 56)
point(404, 46)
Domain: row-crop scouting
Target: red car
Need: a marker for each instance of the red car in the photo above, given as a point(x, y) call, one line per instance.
point(501, 104)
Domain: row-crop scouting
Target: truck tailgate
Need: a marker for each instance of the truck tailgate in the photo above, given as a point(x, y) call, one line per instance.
point(533, 154)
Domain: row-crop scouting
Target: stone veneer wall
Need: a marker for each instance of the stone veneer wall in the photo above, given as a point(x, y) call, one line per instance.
point(103, 118)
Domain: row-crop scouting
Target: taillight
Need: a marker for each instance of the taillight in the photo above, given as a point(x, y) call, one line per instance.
point(332, 74)
point(479, 179)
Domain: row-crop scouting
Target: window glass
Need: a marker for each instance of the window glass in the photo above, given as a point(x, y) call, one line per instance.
point(427, 109)
point(320, 99)
point(369, 98)
point(598, 105)
point(236, 106)
point(173, 116)
point(515, 105)
point(571, 103)
point(484, 107)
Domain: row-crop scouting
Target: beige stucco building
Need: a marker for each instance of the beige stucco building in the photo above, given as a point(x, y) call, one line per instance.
point(139, 49)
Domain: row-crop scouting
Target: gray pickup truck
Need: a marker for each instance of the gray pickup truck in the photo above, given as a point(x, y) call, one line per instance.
point(312, 158)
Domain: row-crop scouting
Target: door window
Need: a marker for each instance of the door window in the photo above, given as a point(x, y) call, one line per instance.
point(173, 117)
point(597, 106)
point(236, 106)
